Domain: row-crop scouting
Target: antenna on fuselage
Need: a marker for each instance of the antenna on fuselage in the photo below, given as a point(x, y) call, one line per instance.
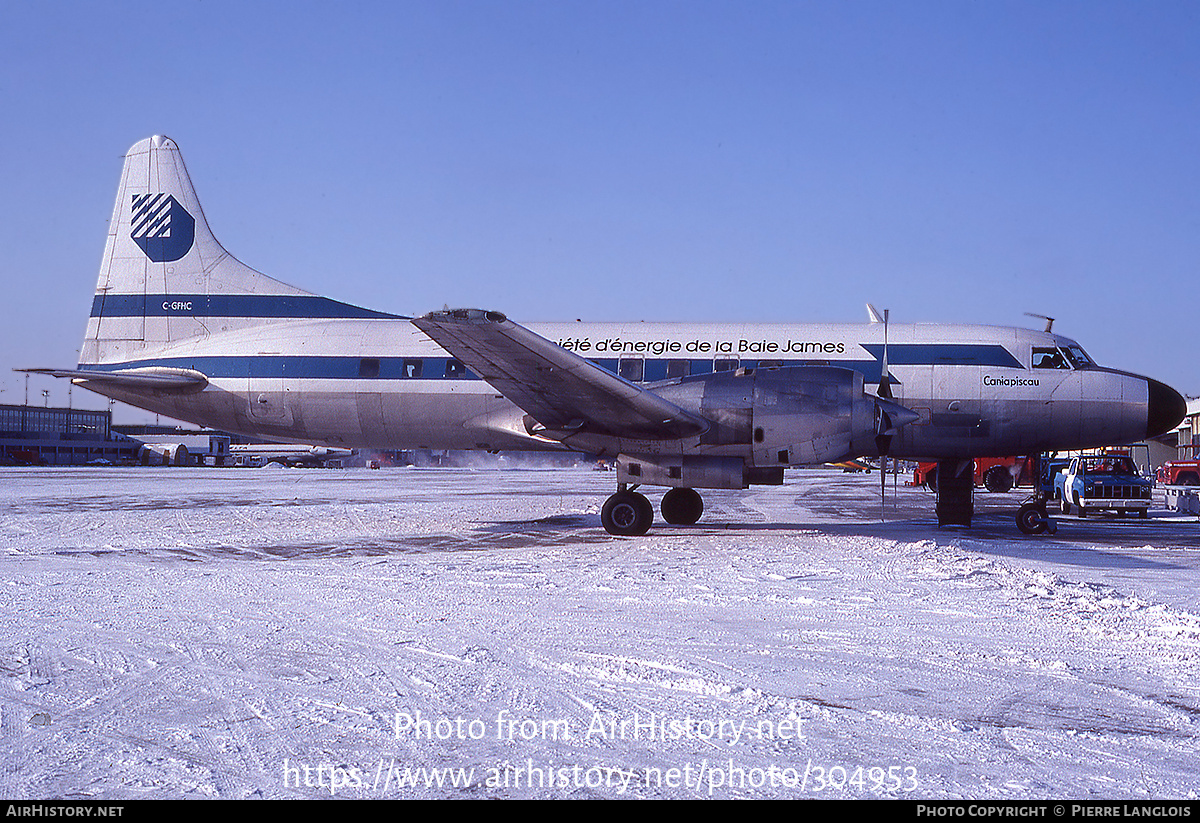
point(1049, 320)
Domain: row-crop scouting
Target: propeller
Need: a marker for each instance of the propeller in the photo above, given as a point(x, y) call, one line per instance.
point(883, 422)
point(890, 416)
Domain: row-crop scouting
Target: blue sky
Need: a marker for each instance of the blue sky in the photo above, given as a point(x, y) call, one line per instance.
point(952, 161)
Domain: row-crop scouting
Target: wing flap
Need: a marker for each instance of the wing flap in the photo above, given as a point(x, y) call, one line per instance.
point(559, 389)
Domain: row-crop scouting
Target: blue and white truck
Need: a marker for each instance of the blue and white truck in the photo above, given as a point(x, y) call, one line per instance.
point(1105, 482)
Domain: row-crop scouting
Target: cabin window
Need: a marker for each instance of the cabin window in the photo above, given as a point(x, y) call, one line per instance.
point(455, 370)
point(412, 367)
point(725, 365)
point(368, 367)
point(632, 369)
point(678, 368)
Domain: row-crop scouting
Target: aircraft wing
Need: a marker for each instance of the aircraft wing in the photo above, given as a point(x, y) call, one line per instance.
point(560, 390)
point(154, 377)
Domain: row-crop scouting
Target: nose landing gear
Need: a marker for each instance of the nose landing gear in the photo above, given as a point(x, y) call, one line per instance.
point(1033, 519)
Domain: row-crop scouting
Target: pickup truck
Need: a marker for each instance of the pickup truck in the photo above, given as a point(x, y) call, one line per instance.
point(1105, 482)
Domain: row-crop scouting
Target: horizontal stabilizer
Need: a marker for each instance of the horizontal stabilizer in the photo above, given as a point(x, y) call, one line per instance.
point(560, 390)
point(154, 377)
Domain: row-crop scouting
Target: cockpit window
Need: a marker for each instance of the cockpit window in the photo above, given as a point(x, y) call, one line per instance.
point(1078, 357)
point(1049, 358)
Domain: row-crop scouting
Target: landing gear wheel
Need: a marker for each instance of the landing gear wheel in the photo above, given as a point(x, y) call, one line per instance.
point(998, 480)
point(1065, 505)
point(682, 507)
point(1031, 519)
point(627, 514)
point(1143, 513)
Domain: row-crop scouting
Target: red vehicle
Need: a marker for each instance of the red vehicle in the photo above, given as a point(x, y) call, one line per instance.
point(1179, 473)
point(996, 474)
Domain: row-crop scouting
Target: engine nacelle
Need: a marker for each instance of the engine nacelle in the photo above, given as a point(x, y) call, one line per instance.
point(811, 414)
point(793, 416)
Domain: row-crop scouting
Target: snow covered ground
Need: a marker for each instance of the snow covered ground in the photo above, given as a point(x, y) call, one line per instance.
point(457, 633)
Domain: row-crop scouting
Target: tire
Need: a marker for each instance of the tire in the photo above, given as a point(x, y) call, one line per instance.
point(997, 480)
point(931, 479)
point(1143, 513)
point(627, 514)
point(1065, 506)
point(1031, 519)
point(682, 507)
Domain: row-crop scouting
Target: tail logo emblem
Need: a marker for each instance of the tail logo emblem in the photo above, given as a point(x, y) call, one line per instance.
point(162, 228)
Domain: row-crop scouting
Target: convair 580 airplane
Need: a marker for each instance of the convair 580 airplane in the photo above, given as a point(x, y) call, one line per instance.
point(181, 328)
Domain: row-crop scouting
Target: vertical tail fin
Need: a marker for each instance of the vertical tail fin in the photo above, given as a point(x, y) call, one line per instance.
point(164, 277)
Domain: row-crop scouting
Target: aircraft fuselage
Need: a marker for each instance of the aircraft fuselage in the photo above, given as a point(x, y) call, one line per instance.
point(382, 383)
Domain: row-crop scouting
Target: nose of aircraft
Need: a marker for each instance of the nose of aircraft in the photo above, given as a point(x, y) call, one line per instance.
point(1165, 408)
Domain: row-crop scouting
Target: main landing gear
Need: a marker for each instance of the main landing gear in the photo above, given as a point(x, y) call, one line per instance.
point(628, 513)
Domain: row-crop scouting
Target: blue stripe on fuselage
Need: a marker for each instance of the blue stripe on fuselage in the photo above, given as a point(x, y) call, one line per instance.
point(445, 368)
point(296, 307)
point(309, 366)
point(439, 368)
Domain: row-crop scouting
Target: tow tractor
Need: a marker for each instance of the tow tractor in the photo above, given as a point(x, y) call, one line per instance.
point(1032, 517)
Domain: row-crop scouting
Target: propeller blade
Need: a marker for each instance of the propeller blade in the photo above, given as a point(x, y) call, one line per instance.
point(883, 484)
point(885, 379)
point(883, 421)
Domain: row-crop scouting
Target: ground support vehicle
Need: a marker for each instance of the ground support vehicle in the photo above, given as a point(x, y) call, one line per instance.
point(996, 474)
point(1179, 473)
point(1033, 517)
point(1105, 482)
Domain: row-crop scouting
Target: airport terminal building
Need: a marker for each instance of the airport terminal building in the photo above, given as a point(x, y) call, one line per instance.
point(60, 437)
